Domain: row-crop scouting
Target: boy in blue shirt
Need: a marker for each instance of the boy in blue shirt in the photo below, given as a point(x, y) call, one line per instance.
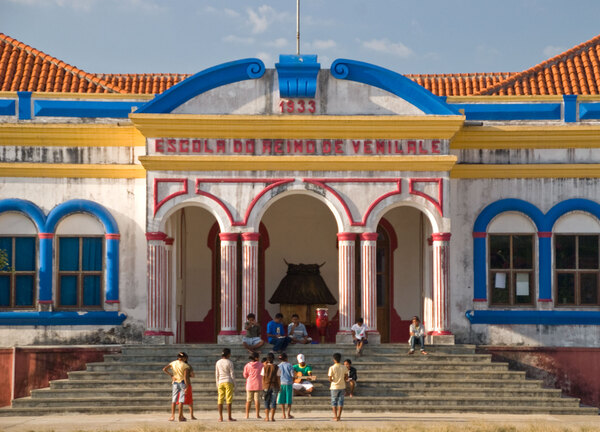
point(285, 391)
point(276, 334)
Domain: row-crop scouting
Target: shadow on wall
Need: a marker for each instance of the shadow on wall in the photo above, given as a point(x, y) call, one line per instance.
point(576, 371)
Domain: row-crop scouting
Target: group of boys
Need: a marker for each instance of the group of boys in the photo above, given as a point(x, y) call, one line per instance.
point(276, 335)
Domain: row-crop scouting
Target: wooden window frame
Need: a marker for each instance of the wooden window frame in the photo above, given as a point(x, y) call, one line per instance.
point(80, 275)
point(511, 273)
point(576, 271)
point(13, 275)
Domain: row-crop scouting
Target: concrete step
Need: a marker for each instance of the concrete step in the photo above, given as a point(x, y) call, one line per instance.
point(364, 390)
point(238, 409)
point(418, 384)
point(314, 401)
point(362, 367)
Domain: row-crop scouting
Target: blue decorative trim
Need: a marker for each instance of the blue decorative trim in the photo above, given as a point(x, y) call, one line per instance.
point(45, 270)
point(510, 111)
point(589, 111)
point(534, 317)
point(570, 103)
point(392, 82)
point(543, 223)
point(28, 208)
point(24, 105)
point(297, 75)
point(78, 108)
point(94, 318)
point(81, 206)
point(8, 107)
point(204, 81)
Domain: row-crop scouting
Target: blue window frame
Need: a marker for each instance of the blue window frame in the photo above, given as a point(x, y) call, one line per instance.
point(80, 272)
point(18, 277)
point(577, 269)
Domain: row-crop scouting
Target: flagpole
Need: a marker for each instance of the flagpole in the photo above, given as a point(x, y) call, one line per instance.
point(297, 27)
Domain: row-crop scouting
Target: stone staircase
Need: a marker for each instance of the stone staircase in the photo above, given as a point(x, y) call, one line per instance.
point(449, 379)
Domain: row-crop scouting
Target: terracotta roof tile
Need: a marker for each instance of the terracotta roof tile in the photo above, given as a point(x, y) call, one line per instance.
point(575, 71)
point(463, 84)
point(23, 68)
point(143, 83)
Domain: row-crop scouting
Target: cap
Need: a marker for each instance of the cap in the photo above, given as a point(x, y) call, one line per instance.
point(300, 358)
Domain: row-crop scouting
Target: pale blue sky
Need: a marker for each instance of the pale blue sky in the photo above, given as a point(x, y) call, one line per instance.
point(186, 36)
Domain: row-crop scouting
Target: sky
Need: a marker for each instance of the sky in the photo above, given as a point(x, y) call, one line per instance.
point(407, 36)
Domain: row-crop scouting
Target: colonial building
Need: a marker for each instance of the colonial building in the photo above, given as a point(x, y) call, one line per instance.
point(164, 208)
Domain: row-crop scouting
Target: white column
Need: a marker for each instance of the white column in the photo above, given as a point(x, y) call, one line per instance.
point(168, 304)
point(249, 274)
point(441, 267)
point(346, 280)
point(156, 320)
point(228, 284)
point(368, 283)
point(428, 289)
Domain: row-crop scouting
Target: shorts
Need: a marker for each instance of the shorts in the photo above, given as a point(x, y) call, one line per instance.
point(285, 394)
point(270, 398)
point(304, 385)
point(178, 392)
point(225, 393)
point(364, 341)
point(337, 398)
point(189, 400)
point(253, 395)
point(251, 341)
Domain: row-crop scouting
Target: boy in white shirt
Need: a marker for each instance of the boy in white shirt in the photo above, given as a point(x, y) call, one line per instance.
point(417, 333)
point(359, 336)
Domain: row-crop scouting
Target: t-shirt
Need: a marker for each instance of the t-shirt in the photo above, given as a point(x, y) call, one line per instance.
point(253, 377)
point(304, 369)
point(179, 367)
point(299, 332)
point(224, 371)
point(337, 372)
point(360, 332)
point(352, 373)
point(286, 373)
point(418, 331)
point(270, 374)
point(275, 328)
point(252, 332)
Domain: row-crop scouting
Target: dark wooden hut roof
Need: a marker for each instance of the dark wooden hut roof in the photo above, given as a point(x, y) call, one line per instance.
point(303, 284)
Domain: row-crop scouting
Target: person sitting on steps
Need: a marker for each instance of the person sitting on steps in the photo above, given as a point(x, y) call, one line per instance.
point(417, 333)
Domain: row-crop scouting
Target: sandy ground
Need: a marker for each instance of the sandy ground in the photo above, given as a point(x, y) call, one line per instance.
point(317, 420)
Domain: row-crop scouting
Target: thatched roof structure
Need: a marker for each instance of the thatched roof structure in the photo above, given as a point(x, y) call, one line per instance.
point(303, 284)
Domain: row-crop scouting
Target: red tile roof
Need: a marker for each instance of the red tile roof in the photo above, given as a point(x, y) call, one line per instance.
point(23, 68)
point(576, 71)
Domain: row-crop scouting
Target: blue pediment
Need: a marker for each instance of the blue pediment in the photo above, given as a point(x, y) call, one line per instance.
point(297, 75)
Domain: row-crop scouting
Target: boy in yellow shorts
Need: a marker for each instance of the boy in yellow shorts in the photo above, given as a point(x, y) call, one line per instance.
point(225, 383)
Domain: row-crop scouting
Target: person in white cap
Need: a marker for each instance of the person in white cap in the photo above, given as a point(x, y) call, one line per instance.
point(303, 385)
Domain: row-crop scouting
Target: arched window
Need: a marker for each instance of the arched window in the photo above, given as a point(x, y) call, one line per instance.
point(577, 260)
point(511, 260)
point(18, 247)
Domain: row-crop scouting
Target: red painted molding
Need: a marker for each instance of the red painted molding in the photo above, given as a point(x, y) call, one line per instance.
point(439, 203)
point(156, 236)
point(112, 236)
point(429, 241)
point(441, 236)
point(543, 234)
point(369, 236)
point(391, 232)
point(112, 301)
point(228, 236)
point(322, 182)
point(346, 236)
point(479, 235)
point(272, 183)
point(545, 300)
point(479, 300)
point(250, 236)
point(441, 333)
point(46, 235)
point(228, 332)
point(159, 204)
point(157, 333)
point(169, 241)
point(45, 301)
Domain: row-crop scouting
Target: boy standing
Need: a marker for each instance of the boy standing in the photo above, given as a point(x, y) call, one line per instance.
point(352, 377)
point(271, 385)
point(337, 377)
point(359, 336)
point(252, 372)
point(179, 371)
point(417, 332)
point(225, 383)
point(286, 378)
point(252, 341)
